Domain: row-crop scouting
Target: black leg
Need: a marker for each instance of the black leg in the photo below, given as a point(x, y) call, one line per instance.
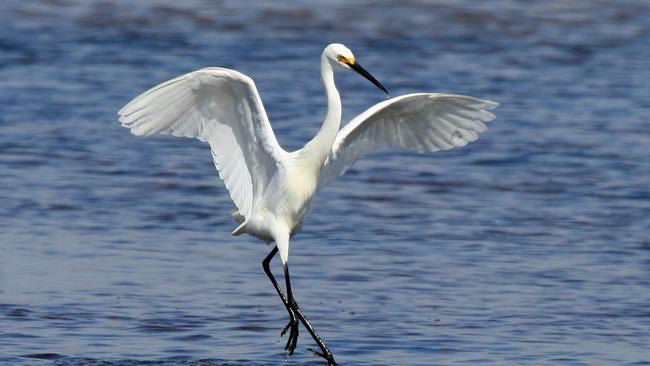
point(293, 322)
point(326, 354)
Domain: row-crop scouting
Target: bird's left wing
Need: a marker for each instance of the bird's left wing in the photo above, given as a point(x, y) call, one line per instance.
point(421, 122)
point(221, 107)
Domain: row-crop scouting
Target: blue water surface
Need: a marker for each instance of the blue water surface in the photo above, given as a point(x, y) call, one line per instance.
point(530, 246)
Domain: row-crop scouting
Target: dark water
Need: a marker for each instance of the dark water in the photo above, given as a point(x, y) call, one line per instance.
point(528, 247)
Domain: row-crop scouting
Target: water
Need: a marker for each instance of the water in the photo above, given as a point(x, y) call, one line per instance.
point(527, 247)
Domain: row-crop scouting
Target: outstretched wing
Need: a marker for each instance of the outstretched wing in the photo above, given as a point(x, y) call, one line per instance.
point(220, 107)
point(421, 122)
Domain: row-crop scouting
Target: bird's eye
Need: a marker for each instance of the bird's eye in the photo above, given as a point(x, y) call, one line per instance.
point(340, 57)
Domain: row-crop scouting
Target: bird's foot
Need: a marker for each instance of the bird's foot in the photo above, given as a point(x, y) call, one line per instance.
point(327, 356)
point(292, 327)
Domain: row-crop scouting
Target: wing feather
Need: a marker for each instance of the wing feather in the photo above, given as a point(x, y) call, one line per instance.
point(223, 108)
point(421, 122)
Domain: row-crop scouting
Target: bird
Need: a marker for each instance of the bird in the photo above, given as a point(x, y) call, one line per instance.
point(272, 188)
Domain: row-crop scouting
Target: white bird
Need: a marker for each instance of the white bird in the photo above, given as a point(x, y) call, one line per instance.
point(273, 188)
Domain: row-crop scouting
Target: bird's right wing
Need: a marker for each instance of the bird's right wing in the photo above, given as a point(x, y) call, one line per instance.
point(421, 122)
point(221, 107)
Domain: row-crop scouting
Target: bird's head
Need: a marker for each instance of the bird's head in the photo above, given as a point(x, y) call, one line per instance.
point(338, 54)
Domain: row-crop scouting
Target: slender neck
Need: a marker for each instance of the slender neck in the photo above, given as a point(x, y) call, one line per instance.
point(320, 146)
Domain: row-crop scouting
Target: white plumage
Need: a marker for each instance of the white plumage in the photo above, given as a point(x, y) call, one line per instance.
point(273, 188)
point(220, 107)
point(420, 122)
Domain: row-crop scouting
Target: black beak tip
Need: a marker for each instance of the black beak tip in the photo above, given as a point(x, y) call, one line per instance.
point(356, 67)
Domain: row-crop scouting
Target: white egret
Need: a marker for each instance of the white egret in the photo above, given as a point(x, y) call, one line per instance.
point(273, 188)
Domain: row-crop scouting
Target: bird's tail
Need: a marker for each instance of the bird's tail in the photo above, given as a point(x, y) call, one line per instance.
point(241, 220)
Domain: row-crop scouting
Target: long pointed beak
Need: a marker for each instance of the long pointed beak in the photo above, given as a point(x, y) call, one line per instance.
point(356, 67)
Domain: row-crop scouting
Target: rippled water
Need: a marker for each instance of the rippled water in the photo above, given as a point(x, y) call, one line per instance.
point(528, 247)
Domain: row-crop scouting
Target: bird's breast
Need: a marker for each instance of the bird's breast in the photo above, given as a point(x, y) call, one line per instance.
point(285, 203)
point(298, 192)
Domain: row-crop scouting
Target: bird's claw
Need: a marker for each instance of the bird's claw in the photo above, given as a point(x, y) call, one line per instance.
point(284, 331)
point(292, 326)
point(329, 357)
